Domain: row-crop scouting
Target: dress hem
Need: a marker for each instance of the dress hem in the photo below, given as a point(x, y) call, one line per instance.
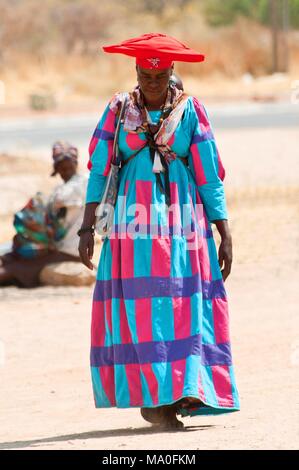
point(208, 408)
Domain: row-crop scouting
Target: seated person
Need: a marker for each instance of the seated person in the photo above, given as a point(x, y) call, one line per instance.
point(47, 228)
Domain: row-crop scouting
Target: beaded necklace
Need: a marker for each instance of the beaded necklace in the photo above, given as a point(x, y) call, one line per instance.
point(166, 109)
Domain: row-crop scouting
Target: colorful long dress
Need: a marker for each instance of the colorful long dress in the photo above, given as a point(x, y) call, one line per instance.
point(160, 319)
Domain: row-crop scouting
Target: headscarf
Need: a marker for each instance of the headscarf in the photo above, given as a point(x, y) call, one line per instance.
point(62, 150)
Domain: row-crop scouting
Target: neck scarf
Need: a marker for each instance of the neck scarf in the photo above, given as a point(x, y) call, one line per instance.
point(137, 119)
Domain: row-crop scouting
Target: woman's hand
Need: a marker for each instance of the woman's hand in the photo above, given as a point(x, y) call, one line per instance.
point(225, 252)
point(225, 256)
point(86, 246)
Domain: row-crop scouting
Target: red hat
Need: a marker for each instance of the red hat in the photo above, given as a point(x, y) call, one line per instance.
point(155, 51)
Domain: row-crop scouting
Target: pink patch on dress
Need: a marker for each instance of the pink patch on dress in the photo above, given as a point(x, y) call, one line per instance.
point(127, 258)
point(152, 381)
point(195, 240)
point(198, 198)
point(107, 379)
point(108, 314)
point(182, 317)
point(143, 312)
point(109, 124)
point(134, 384)
point(204, 223)
point(161, 260)
point(171, 140)
point(202, 116)
point(204, 261)
point(222, 384)
point(193, 254)
point(175, 210)
point(200, 387)
point(178, 369)
point(97, 323)
point(199, 257)
point(126, 337)
point(144, 197)
point(109, 157)
point(91, 148)
point(200, 177)
point(134, 142)
point(92, 145)
point(191, 206)
point(116, 257)
point(221, 320)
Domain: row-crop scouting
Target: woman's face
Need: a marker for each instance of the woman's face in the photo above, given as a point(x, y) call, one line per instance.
point(154, 83)
point(66, 168)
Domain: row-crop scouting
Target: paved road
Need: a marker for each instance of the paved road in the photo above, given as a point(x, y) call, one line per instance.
point(36, 135)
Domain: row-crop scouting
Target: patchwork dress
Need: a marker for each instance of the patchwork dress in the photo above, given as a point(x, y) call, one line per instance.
point(160, 318)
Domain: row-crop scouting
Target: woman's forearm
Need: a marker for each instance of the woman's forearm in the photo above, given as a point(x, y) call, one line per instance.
point(89, 214)
point(223, 228)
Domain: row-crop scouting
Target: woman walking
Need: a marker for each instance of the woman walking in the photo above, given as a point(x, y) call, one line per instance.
point(160, 324)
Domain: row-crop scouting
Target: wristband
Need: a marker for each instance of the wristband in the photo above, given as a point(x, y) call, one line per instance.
point(84, 230)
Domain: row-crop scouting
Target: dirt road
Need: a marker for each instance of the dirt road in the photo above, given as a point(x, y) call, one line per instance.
point(46, 397)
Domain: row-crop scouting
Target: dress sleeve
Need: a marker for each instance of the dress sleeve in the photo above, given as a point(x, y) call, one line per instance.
point(206, 165)
point(100, 152)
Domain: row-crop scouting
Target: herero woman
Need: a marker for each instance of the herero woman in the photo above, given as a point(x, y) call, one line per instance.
point(160, 324)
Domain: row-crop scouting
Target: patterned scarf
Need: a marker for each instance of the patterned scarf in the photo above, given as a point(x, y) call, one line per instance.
point(137, 120)
point(62, 150)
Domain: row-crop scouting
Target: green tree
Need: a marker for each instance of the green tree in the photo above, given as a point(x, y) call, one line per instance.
point(221, 13)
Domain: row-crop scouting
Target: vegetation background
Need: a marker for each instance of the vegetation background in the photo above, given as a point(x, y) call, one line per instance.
point(54, 46)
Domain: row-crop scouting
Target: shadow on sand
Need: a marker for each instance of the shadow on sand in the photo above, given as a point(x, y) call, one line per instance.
point(154, 429)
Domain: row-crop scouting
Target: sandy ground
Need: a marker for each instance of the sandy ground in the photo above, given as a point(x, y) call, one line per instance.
point(46, 397)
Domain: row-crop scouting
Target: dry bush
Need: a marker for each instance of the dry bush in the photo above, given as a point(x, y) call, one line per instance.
point(233, 51)
point(55, 45)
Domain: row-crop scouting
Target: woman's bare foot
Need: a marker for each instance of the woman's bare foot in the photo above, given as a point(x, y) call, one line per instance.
point(152, 415)
point(165, 416)
point(169, 419)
